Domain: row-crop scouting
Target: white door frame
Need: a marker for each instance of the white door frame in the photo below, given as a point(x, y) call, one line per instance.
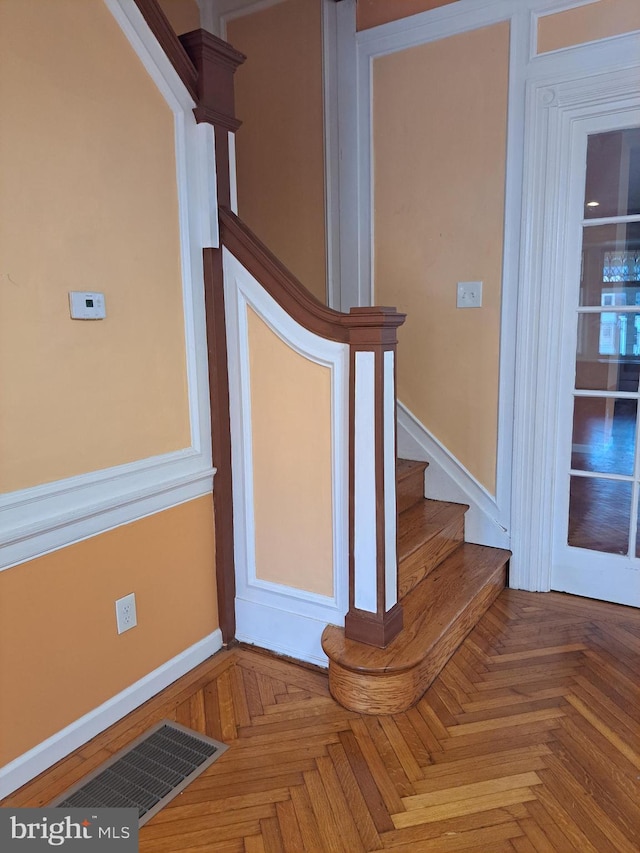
point(555, 105)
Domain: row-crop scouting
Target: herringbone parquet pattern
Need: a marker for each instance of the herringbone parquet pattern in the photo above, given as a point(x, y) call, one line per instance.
point(528, 741)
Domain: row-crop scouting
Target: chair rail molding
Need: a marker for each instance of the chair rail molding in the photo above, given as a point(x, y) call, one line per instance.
point(560, 98)
point(37, 520)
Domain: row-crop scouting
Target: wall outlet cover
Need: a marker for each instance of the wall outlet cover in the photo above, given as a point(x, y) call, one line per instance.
point(469, 294)
point(126, 617)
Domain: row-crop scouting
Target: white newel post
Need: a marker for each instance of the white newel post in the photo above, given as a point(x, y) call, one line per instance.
point(374, 616)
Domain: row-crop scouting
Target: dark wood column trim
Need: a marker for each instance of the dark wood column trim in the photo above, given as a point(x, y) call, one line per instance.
point(373, 629)
point(220, 441)
point(159, 25)
point(216, 63)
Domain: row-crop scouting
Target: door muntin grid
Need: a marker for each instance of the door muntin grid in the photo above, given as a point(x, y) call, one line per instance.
point(604, 477)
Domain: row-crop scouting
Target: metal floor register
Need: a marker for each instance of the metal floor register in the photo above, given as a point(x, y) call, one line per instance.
point(147, 773)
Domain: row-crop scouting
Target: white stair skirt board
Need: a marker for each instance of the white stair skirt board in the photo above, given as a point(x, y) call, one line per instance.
point(31, 763)
point(285, 632)
point(276, 616)
point(446, 479)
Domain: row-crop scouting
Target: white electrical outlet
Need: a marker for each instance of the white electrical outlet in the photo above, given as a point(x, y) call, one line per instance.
point(126, 613)
point(469, 294)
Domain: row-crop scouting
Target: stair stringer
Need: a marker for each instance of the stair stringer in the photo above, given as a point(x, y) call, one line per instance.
point(448, 480)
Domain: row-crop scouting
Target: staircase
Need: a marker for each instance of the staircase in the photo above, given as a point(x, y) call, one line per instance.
point(444, 585)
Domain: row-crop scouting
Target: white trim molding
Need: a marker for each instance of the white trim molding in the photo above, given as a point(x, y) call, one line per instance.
point(37, 520)
point(447, 479)
point(487, 521)
point(490, 518)
point(242, 291)
point(45, 754)
point(284, 630)
point(389, 481)
point(365, 564)
point(556, 106)
point(45, 518)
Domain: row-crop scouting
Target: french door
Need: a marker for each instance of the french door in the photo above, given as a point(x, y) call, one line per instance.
point(596, 549)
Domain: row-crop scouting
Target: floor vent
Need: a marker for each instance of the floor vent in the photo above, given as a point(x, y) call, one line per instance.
point(147, 773)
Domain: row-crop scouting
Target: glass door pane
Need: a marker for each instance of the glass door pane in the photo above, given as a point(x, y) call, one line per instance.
point(599, 514)
point(604, 475)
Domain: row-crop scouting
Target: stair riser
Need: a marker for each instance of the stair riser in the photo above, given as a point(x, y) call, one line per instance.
point(410, 490)
point(417, 565)
point(395, 692)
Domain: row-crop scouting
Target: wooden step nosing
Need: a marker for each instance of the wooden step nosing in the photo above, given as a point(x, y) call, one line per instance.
point(396, 692)
point(405, 554)
point(421, 653)
point(444, 518)
point(467, 553)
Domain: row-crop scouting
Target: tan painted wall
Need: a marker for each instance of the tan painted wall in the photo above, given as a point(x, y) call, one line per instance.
point(89, 202)
point(588, 23)
point(291, 421)
point(60, 655)
point(439, 152)
point(280, 146)
point(370, 13)
point(184, 15)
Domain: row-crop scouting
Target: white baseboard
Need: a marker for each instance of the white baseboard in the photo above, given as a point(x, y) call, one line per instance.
point(44, 755)
point(292, 634)
point(448, 480)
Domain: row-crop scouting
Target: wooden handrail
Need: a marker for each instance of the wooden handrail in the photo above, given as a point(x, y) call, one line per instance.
point(159, 25)
point(363, 326)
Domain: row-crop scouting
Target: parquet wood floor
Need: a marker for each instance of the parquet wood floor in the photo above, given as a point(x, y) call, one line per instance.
point(527, 742)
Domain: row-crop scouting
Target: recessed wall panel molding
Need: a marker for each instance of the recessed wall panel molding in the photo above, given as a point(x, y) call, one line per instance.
point(304, 589)
point(42, 518)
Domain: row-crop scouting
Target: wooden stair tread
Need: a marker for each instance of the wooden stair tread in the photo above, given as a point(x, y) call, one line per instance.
point(424, 520)
point(407, 467)
point(431, 610)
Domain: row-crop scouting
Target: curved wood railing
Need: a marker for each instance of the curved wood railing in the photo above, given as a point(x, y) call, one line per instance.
point(361, 325)
point(374, 616)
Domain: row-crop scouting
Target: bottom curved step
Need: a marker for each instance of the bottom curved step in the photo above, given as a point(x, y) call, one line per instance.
point(438, 614)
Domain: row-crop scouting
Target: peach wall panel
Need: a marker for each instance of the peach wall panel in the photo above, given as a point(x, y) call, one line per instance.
point(291, 429)
point(89, 202)
point(280, 146)
point(60, 654)
point(439, 175)
point(588, 23)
